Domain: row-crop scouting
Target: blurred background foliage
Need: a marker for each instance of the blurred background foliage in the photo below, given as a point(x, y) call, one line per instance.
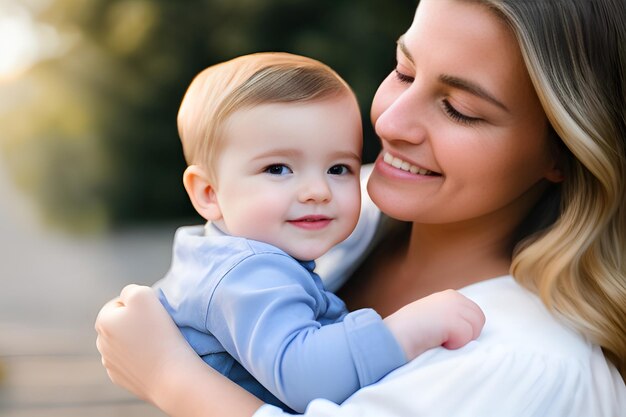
point(89, 89)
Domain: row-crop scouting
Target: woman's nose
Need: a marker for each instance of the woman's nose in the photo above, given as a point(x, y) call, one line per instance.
point(314, 190)
point(401, 117)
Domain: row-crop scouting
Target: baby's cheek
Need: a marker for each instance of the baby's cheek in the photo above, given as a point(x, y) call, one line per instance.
point(253, 218)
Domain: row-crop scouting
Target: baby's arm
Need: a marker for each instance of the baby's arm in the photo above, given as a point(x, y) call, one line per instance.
point(446, 319)
point(277, 321)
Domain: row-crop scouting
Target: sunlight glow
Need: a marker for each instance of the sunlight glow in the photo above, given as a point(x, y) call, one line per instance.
point(23, 41)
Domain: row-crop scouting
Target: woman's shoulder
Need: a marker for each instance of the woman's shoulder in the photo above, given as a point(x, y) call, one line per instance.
point(526, 362)
point(525, 359)
point(517, 319)
point(494, 376)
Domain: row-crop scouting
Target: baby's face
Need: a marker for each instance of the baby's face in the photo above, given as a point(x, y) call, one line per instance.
point(288, 174)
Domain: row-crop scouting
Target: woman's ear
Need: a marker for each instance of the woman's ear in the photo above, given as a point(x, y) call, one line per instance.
point(559, 158)
point(202, 193)
point(555, 175)
point(559, 163)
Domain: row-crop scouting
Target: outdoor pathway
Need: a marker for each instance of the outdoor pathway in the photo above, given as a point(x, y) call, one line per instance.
point(51, 288)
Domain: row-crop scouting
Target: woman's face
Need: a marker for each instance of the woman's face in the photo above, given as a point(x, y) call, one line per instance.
point(463, 134)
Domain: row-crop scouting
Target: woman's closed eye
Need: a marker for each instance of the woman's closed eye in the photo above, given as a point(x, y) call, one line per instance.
point(456, 115)
point(449, 109)
point(403, 78)
point(277, 169)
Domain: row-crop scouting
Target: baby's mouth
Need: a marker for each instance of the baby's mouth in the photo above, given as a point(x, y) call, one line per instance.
point(311, 222)
point(406, 166)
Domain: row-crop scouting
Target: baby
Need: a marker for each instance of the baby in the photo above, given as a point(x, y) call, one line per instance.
point(273, 142)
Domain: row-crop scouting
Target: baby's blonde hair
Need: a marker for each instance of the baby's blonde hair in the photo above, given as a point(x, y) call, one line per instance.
point(249, 80)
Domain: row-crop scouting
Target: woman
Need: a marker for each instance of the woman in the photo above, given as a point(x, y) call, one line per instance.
point(512, 112)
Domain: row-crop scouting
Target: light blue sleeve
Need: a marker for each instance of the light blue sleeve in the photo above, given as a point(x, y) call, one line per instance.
point(266, 313)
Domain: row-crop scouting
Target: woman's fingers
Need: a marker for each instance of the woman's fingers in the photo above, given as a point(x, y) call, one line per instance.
point(105, 314)
point(133, 293)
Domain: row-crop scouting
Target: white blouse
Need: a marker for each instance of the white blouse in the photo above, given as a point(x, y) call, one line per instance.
point(525, 363)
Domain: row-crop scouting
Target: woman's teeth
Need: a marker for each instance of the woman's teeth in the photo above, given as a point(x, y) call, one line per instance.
point(405, 166)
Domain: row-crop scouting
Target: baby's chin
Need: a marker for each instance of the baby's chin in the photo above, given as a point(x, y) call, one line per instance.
point(306, 255)
point(309, 253)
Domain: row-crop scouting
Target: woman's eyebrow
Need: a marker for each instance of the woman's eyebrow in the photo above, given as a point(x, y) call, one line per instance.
point(404, 49)
point(455, 82)
point(471, 88)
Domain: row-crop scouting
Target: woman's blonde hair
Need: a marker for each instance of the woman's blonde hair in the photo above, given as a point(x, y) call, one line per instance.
point(249, 80)
point(575, 53)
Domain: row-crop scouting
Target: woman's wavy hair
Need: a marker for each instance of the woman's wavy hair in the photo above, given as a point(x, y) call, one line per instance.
point(265, 77)
point(573, 248)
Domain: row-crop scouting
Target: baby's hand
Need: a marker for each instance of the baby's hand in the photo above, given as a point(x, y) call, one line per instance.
point(446, 319)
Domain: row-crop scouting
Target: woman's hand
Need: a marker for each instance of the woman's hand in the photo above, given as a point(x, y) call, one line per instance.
point(138, 341)
point(144, 352)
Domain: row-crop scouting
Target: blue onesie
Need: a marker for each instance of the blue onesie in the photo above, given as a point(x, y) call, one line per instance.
point(264, 320)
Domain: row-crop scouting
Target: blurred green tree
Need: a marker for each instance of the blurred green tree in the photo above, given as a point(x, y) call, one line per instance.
point(91, 134)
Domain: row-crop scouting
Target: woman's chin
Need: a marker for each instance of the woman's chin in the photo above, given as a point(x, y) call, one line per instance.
point(392, 202)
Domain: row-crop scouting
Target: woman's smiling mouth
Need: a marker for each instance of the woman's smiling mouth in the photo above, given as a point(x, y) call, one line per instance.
point(406, 166)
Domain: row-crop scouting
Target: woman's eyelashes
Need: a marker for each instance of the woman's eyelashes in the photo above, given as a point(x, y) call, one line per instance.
point(403, 78)
point(452, 113)
point(456, 115)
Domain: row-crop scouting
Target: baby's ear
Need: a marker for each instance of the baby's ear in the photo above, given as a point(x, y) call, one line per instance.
point(202, 193)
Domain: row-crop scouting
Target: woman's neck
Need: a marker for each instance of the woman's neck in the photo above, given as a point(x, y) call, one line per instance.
point(426, 260)
point(453, 256)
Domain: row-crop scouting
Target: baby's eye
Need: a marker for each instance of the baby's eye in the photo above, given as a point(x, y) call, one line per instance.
point(278, 169)
point(339, 169)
